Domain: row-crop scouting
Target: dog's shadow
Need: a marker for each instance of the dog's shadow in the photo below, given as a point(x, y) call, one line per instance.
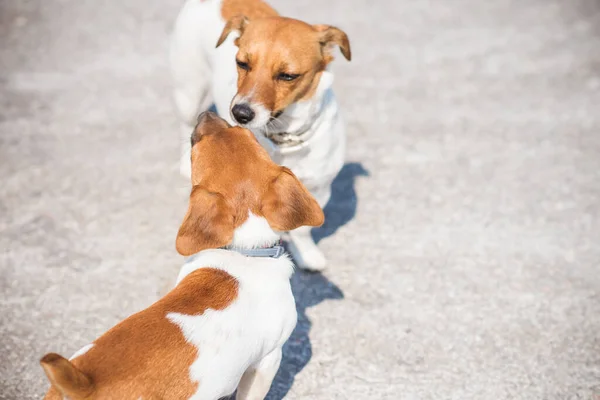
point(342, 205)
point(309, 289)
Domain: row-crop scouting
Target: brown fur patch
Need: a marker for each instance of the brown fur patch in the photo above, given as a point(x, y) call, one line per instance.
point(147, 355)
point(231, 175)
point(252, 9)
point(65, 377)
point(271, 45)
point(282, 201)
point(276, 45)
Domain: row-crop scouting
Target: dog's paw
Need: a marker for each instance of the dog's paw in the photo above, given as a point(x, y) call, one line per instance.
point(307, 255)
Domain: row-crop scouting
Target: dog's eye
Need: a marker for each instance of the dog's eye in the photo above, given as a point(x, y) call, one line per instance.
point(287, 77)
point(243, 65)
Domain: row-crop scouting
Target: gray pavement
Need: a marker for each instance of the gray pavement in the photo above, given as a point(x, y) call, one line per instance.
point(464, 234)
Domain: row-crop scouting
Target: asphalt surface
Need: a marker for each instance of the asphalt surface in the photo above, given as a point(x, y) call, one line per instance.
point(463, 235)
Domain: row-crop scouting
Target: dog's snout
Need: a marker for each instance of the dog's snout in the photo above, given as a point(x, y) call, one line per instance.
point(242, 113)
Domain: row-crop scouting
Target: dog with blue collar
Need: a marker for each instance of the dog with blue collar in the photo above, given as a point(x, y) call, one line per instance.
point(223, 326)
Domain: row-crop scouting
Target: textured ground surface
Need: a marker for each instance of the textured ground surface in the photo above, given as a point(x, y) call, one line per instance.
point(464, 234)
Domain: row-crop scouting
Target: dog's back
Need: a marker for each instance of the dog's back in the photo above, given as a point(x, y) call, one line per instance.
point(146, 353)
point(197, 340)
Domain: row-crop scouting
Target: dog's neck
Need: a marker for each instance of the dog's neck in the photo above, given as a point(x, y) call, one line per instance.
point(251, 240)
point(254, 233)
point(255, 238)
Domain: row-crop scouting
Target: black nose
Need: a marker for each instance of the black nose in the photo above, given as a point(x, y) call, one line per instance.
point(242, 113)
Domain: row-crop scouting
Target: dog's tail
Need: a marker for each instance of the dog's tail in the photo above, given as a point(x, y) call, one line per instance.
point(66, 378)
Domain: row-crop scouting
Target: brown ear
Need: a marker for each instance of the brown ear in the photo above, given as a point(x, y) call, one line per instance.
point(208, 223)
point(288, 205)
point(67, 379)
point(211, 119)
point(329, 35)
point(237, 23)
point(208, 122)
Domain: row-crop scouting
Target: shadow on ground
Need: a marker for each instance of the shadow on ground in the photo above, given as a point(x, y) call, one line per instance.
point(341, 207)
point(309, 290)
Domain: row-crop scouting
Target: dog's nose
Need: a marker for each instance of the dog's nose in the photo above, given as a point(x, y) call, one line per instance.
point(242, 113)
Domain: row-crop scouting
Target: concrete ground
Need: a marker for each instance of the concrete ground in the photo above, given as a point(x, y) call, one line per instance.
point(464, 233)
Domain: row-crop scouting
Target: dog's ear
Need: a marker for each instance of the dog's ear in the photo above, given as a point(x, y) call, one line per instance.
point(330, 35)
point(208, 223)
point(208, 122)
point(288, 205)
point(66, 378)
point(237, 23)
point(211, 119)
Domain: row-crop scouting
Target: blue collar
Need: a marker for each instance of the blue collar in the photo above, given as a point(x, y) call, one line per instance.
point(275, 251)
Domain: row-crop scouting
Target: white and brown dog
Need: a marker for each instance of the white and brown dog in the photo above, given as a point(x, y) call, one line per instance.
point(269, 74)
point(224, 324)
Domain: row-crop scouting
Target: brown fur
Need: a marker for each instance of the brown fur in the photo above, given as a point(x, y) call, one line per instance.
point(272, 45)
point(250, 8)
point(283, 200)
point(65, 377)
point(231, 175)
point(146, 355)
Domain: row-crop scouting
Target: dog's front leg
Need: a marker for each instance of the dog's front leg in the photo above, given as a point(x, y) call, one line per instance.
point(305, 251)
point(257, 379)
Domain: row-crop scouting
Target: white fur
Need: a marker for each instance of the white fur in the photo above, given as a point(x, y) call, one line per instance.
point(240, 346)
point(203, 74)
point(245, 338)
point(82, 351)
point(254, 232)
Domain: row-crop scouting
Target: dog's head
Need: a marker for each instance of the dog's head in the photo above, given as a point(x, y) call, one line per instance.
point(233, 177)
point(280, 61)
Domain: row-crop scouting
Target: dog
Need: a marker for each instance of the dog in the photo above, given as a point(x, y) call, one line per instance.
point(223, 326)
point(271, 75)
